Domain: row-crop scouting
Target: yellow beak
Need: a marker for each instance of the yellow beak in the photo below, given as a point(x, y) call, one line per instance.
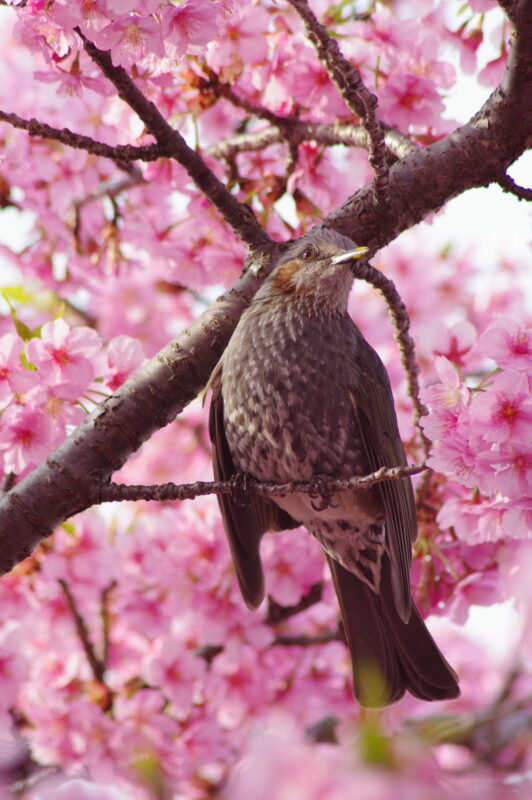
point(350, 254)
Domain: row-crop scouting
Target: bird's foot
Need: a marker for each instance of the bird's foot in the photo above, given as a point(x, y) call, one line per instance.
point(320, 491)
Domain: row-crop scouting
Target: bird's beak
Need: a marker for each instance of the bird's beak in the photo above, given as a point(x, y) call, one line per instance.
point(349, 255)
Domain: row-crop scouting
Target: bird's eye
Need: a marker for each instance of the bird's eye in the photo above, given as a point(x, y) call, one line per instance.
point(307, 253)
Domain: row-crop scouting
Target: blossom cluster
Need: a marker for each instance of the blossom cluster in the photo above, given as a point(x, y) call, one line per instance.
point(43, 382)
point(481, 436)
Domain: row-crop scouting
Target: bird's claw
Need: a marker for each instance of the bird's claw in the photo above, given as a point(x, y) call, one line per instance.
point(320, 490)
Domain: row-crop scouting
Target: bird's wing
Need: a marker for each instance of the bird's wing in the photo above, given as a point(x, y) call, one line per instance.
point(244, 524)
point(373, 401)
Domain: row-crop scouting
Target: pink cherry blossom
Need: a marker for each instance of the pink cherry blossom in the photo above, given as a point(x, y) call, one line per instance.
point(318, 178)
point(72, 82)
point(408, 100)
point(125, 355)
point(511, 465)
point(13, 376)
point(508, 344)
point(242, 39)
point(13, 664)
point(193, 23)
point(448, 402)
point(504, 408)
point(452, 342)
point(175, 667)
point(65, 357)
point(131, 38)
point(26, 438)
point(493, 72)
point(293, 565)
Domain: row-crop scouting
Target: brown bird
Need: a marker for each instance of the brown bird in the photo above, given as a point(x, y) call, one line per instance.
point(297, 394)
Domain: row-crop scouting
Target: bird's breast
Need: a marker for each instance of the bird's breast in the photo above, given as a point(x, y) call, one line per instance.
point(286, 391)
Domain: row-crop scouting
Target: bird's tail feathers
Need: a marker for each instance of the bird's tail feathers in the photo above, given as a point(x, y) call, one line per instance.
point(388, 655)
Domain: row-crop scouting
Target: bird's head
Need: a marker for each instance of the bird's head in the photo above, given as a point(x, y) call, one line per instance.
point(316, 271)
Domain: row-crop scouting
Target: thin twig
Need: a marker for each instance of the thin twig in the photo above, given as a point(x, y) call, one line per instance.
point(96, 665)
point(277, 613)
point(226, 90)
point(355, 93)
point(401, 325)
point(115, 492)
point(106, 621)
point(297, 131)
point(507, 184)
point(119, 152)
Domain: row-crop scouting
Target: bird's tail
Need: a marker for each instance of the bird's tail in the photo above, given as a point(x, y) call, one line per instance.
point(388, 655)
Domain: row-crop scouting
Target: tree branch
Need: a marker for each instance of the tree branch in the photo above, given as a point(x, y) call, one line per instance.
point(277, 613)
point(304, 640)
point(401, 326)
point(291, 130)
point(97, 666)
point(324, 487)
point(296, 131)
point(239, 216)
point(355, 93)
point(507, 184)
point(119, 152)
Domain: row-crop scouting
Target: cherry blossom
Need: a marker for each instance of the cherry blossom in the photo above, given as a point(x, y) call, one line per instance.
point(190, 24)
point(125, 355)
point(409, 100)
point(504, 408)
point(509, 344)
point(64, 357)
point(13, 377)
point(26, 437)
point(130, 39)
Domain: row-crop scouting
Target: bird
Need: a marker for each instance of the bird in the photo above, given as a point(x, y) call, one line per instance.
point(299, 394)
